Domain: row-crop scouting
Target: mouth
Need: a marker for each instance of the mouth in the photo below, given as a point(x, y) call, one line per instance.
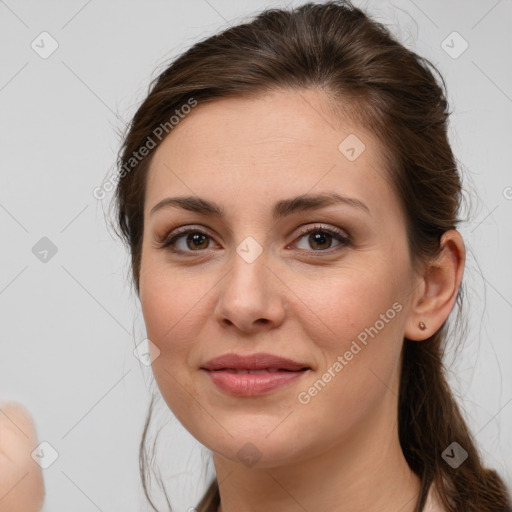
point(254, 374)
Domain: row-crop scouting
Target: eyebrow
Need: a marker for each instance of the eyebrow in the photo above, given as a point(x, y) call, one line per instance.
point(281, 209)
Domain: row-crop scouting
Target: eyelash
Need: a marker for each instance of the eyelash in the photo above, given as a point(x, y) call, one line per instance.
point(169, 242)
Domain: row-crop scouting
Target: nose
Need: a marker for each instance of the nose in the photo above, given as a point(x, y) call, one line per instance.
point(251, 296)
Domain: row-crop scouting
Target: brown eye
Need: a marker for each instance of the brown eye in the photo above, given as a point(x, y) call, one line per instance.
point(196, 240)
point(320, 238)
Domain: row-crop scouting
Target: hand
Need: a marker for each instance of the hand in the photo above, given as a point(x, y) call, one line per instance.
point(21, 479)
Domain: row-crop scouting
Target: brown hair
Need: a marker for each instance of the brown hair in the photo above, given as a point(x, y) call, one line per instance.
point(334, 47)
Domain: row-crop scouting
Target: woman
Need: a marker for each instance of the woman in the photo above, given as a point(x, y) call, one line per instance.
point(289, 198)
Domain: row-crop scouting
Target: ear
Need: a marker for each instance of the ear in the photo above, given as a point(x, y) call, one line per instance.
point(438, 287)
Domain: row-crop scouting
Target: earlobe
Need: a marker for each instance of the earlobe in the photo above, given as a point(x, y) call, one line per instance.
point(441, 282)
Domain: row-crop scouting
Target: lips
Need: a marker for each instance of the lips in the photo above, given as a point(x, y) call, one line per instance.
point(253, 363)
point(253, 375)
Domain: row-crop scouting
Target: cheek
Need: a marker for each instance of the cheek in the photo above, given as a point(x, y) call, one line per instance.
point(356, 322)
point(351, 305)
point(173, 325)
point(176, 305)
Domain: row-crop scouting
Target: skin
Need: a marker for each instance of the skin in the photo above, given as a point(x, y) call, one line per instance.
point(21, 479)
point(246, 154)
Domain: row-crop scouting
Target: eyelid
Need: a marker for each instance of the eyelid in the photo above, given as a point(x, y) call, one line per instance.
point(316, 226)
point(174, 233)
point(168, 240)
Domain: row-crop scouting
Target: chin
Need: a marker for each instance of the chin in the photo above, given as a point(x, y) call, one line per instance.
point(264, 447)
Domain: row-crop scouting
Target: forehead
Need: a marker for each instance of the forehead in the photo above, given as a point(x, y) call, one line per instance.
point(250, 152)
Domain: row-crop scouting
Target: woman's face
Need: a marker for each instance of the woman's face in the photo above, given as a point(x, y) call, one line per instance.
point(256, 283)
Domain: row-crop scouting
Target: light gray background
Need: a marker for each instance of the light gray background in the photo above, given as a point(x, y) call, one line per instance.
point(69, 325)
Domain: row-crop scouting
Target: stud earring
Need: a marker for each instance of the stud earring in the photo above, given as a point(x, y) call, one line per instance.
point(422, 326)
